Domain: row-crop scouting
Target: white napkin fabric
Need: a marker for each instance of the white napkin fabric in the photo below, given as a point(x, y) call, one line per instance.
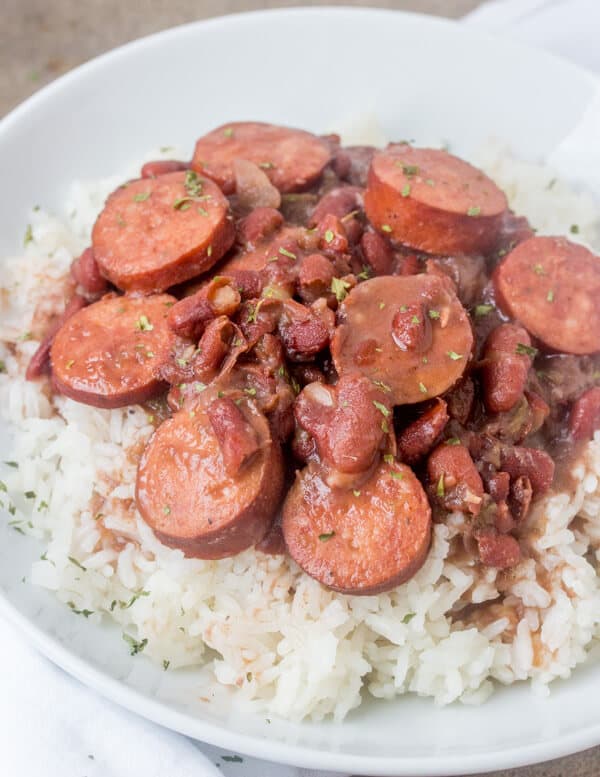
point(50, 724)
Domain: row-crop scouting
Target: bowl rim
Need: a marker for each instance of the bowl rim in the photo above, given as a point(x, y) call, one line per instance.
point(204, 730)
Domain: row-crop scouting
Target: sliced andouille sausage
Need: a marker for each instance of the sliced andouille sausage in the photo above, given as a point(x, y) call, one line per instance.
point(552, 286)
point(358, 541)
point(585, 415)
point(40, 361)
point(419, 437)
point(110, 353)
point(454, 478)
point(292, 159)
point(185, 493)
point(375, 337)
point(162, 167)
point(86, 273)
point(156, 232)
point(433, 201)
point(506, 362)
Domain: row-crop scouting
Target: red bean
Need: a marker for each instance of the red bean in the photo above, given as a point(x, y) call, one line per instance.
point(585, 415)
point(419, 437)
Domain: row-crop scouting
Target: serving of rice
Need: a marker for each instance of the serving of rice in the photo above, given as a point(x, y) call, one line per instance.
point(257, 624)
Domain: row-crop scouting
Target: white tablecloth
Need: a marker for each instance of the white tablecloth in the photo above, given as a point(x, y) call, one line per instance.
point(52, 726)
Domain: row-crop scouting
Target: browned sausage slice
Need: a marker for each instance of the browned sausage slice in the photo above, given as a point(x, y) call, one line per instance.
point(358, 541)
point(40, 361)
point(185, 493)
point(433, 201)
point(156, 232)
point(291, 158)
point(409, 334)
point(552, 287)
point(110, 353)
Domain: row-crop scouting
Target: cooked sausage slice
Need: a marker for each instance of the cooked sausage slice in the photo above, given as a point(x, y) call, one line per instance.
point(185, 493)
point(358, 541)
point(40, 361)
point(156, 232)
point(162, 167)
point(585, 415)
point(373, 340)
point(506, 363)
point(552, 287)
point(110, 353)
point(433, 201)
point(292, 159)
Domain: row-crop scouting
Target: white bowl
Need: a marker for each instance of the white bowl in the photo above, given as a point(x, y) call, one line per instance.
point(316, 68)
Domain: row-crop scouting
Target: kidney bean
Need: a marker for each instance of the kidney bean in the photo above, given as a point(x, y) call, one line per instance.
point(497, 550)
point(332, 235)
point(86, 273)
point(377, 252)
point(529, 462)
point(337, 202)
point(314, 277)
point(257, 225)
point(585, 415)
point(348, 421)
point(302, 332)
point(498, 486)
point(236, 437)
point(521, 494)
point(454, 479)
point(505, 367)
point(189, 316)
point(411, 328)
point(419, 437)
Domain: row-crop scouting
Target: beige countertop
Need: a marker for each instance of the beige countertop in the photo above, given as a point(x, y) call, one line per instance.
point(40, 40)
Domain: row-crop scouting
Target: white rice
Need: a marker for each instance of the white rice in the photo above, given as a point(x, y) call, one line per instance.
point(283, 643)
